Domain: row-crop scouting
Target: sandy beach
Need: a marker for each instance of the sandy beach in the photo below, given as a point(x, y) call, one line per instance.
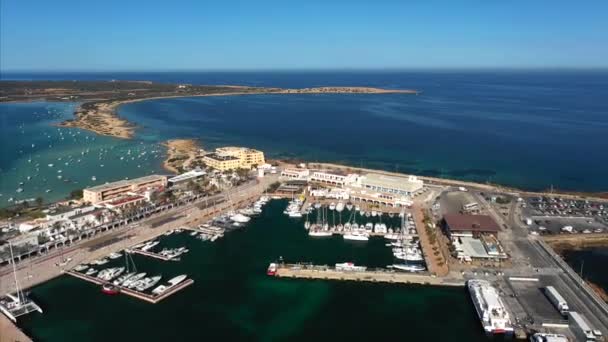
point(180, 153)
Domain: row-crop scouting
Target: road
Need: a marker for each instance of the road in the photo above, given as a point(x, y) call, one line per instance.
point(43, 268)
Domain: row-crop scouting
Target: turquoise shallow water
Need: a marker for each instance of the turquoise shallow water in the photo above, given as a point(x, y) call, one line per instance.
point(233, 300)
point(531, 129)
point(29, 143)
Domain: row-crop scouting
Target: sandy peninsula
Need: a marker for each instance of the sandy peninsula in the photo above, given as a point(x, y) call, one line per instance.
point(180, 153)
point(100, 116)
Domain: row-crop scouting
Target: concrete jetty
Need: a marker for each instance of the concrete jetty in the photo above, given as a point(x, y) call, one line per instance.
point(150, 298)
point(308, 271)
point(10, 332)
point(152, 255)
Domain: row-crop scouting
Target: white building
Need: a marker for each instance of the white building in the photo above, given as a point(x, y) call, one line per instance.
point(64, 213)
point(333, 178)
point(295, 174)
point(405, 186)
point(187, 176)
point(358, 194)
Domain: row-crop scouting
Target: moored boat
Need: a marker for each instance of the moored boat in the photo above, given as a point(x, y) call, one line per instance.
point(490, 308)
point(272, 269)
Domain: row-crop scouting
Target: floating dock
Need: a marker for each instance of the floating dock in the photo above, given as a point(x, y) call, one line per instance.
point(308, 271)
point(152, 255)
point(150, 298)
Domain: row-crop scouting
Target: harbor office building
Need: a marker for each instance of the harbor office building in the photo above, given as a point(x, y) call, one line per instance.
point(230, 158)
point(394, 185)
point(112, 190)
point(466, 225)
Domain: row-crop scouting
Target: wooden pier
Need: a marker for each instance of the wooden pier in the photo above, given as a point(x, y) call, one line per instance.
point(150, 298)
point(307, 271)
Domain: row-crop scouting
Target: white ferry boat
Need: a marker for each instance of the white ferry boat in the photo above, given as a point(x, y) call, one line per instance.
point(349, 267)
point(490, 307)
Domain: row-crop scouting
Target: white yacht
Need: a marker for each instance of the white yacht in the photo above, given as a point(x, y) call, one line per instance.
point(149, 245)
point(332, 206)
point(408, 268)
point(340, 207)
point(489, 306)
point(240, 218)
point(147, 283)
point(349, 267)
point(81, 268)
point(356, 235)
point(320, 233)
point(123, 278)
point(133, 279)
point(171, 283)
point(110, 273)
point(114, 256)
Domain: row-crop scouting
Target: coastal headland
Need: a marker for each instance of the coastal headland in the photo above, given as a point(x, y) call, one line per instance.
point(99, 100)
point(180, 154)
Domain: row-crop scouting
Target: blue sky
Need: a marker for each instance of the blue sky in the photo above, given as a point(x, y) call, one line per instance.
point(229, 35)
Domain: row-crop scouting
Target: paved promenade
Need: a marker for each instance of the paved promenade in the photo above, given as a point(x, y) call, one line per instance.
point(38, 270)
point(9, 331)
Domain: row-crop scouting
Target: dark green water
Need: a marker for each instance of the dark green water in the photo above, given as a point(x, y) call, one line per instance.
point(233, 300)
point(592, 262)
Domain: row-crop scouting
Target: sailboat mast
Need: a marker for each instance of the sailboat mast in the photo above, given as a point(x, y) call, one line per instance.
point(19, 294)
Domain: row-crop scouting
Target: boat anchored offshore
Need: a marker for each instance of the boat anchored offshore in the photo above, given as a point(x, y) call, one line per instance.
point(490, 307)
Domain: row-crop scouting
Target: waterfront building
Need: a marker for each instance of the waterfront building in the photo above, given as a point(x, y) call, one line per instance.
point(117, 189)
point(229, 158)
point(358, 194)
point(124, 201)
point(186, 177)
point(221, 163)
point(396, 185)
point(66, 212)
point(295, 174)
point(468, 225)
point(329, 178)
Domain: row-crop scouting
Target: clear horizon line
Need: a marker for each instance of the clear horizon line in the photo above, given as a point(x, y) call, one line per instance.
point(378, 69)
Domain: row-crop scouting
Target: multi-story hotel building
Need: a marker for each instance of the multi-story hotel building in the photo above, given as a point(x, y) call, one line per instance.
point(112, 190)
point(228, 158)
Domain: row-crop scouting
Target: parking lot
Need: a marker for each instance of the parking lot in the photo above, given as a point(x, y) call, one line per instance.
point(534, 301)
point(548, 215)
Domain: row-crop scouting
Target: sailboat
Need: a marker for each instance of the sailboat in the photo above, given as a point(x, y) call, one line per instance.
point(18, 304)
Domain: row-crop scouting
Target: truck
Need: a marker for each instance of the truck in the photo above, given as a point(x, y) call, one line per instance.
point(580, 328)
point(557, 300)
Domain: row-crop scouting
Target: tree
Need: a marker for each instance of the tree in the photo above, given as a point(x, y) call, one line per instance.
point(76, 194)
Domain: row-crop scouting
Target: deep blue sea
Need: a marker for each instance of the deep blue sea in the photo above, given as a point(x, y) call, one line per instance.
point(528, 129)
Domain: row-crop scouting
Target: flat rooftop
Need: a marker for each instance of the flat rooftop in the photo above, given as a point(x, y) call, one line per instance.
point(471, 223)
point(187, 175)
point(125, 182)
point(474, 248)
point(220, 157)
point(392, 182)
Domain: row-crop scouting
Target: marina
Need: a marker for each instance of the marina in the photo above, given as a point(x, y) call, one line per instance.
point(150, 298)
